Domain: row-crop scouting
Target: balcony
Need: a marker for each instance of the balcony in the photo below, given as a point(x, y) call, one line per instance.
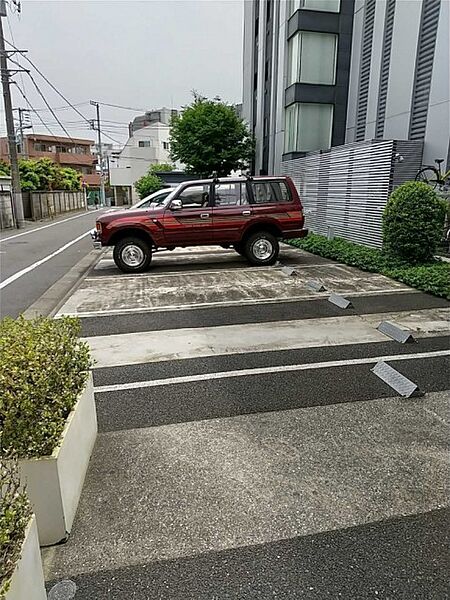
point(64, 158)
point(67, 158)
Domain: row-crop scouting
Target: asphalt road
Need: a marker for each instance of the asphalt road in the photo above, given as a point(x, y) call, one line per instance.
point(24, 249)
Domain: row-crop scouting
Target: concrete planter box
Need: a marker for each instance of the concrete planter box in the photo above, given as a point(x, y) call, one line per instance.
point(54, 482)
point(28, 579)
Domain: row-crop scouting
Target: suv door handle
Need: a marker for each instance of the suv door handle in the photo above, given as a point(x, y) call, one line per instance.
point(246, 212)
point(204, 215)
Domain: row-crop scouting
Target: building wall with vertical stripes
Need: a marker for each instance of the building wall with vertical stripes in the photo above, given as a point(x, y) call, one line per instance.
point(400, 76)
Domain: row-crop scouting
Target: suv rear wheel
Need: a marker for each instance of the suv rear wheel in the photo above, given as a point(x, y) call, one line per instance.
point(262, 248)
point(132, 255)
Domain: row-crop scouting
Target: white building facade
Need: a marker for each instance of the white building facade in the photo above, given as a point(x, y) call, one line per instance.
point(147, 145)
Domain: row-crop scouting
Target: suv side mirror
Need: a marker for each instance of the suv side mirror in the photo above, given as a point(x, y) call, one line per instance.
point(176, 204)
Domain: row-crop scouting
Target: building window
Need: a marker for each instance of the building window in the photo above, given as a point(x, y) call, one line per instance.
point(324, 5)
point(144, 143)
point(42, 147)
point(165, 145)
point(312, 58)
point(308, 127)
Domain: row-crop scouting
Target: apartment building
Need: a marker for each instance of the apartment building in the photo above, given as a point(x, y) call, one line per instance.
point(321, 73)
point(66, 152)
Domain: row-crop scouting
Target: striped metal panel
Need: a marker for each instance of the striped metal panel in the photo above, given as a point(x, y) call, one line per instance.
point(406, 170)
point(424, 68)
point(364, 71)
point(385, 67)
point(346, 188)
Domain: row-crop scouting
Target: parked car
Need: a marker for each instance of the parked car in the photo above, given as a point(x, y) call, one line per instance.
point(249, 214)
point(153, 199)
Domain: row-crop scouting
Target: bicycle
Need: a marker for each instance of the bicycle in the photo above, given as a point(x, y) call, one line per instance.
point(433, 176)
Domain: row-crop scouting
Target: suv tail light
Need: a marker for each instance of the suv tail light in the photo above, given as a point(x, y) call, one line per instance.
point(98, 227)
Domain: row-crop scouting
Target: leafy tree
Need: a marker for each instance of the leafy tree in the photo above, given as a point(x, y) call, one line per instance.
point(209, 137)
point(44, 174)
point(29, 178)
point(161, 168)
point(413, 221)
point(148, 184)
point(5, 169)
point(69, 179)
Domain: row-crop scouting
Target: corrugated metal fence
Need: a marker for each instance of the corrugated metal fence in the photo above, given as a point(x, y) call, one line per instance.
point(345, 189)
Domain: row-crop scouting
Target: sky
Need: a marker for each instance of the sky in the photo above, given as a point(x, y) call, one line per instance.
point(140, 54)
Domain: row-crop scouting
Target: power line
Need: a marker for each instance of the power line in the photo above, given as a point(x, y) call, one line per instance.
point(45, 100)
point(34, 110)
point(123, 107)
point(49, 83)
point(50, 108)
point(64, 107)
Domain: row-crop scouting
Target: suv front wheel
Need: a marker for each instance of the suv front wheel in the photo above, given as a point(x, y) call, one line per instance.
point(132, 255)
point(262, 248)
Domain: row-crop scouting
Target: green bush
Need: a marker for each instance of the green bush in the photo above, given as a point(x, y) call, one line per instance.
point(43, 368)
point(412, 222)
point(15, 513)
point(432, 277)
point(148, 184)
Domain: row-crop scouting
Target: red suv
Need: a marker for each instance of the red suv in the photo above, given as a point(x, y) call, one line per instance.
point(249, 214)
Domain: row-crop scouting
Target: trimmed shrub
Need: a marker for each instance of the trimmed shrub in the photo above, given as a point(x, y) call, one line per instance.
point(412, 222)
point(43, 368)
point(15, 513)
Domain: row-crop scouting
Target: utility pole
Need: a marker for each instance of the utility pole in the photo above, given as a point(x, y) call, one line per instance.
point(100, 153)
point(22, 127)
point(15, 177)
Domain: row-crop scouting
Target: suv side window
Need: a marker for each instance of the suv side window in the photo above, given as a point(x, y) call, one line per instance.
point(230, 194)
point(194, 196)
point(269, 192)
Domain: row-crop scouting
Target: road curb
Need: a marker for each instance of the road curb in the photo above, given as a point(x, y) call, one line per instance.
point(51, 300)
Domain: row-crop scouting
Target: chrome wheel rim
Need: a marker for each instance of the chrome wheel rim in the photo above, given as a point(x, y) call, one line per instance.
point(262, 249)
point(132, 255)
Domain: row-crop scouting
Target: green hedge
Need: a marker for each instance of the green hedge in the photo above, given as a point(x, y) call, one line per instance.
point(43, 369)
point(15, 513)
point(432, 277)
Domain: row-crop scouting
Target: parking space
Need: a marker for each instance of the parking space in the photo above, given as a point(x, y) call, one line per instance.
point(245, 447)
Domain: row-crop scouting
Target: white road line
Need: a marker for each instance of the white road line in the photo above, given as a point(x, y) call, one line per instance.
point(12, 237)
point(40, 262)
point(254, 301)
point(265, 370)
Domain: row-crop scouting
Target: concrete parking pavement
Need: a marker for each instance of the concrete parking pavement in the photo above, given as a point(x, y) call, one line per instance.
point(245, 449)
